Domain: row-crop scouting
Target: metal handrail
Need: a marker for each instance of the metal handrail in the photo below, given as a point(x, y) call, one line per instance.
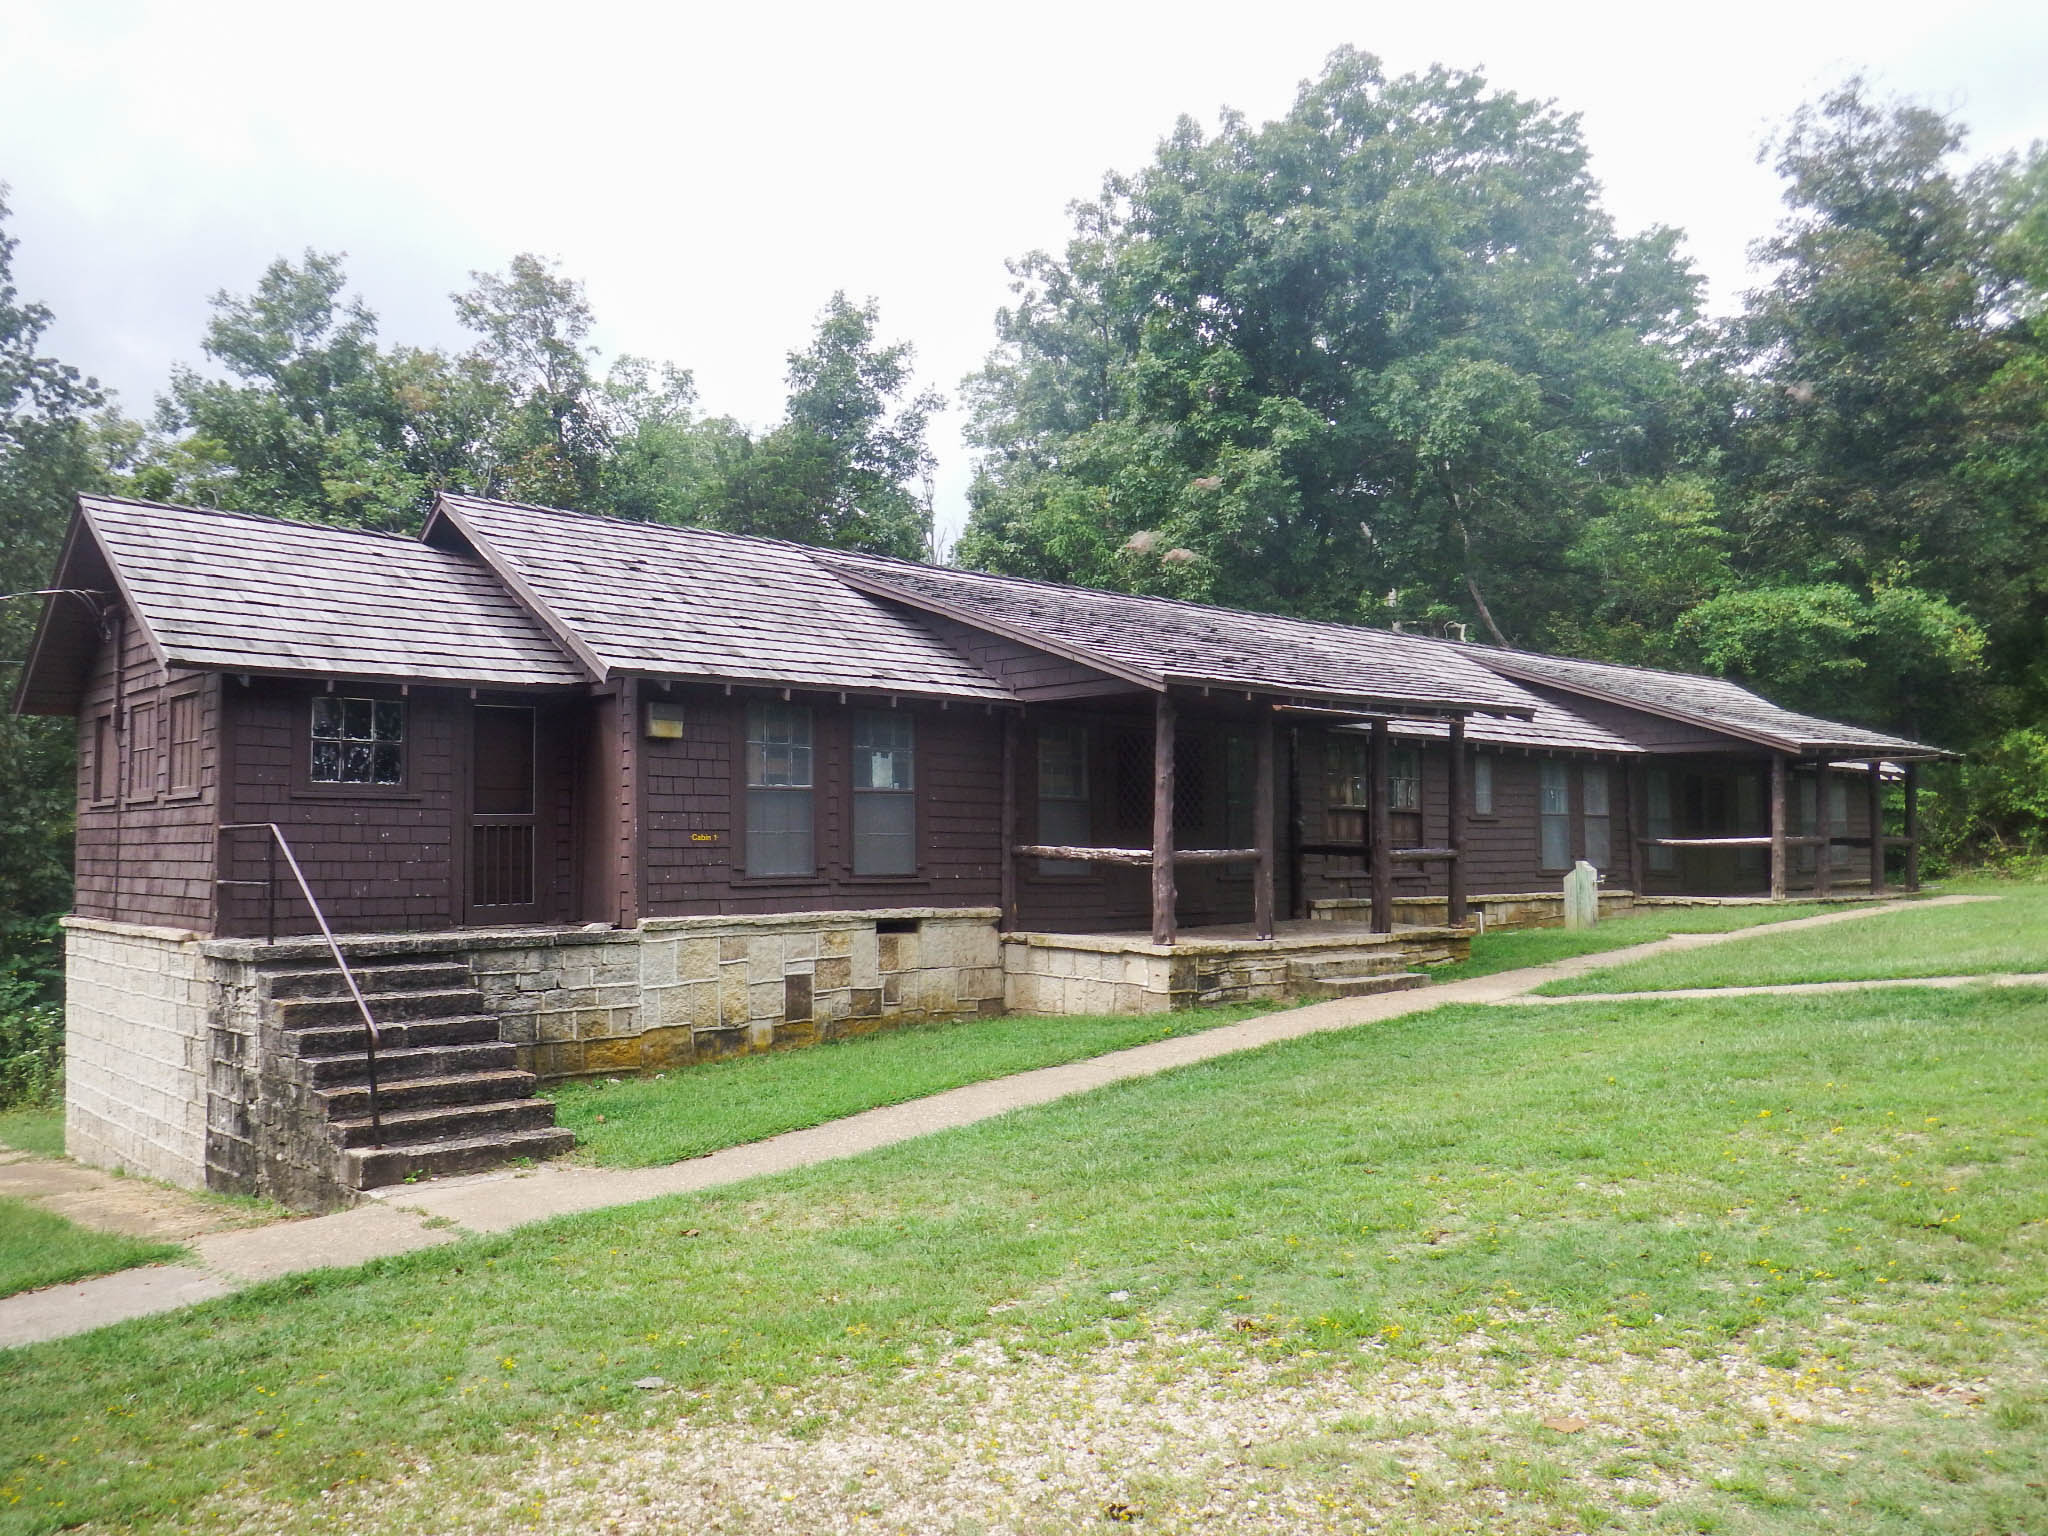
point(276, 845)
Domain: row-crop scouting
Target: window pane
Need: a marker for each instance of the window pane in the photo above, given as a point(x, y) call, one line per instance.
point(326, 716)
point(1482, 785)
point(1658, 818)
point(389, 723)
point(884, 834)
point(779, 746)
point(1344, 765)
point(1554, 819)
point(1404, 780)
point(355, 762)
point(1557, 842)
point(881, 750)
point(1593, 789)
point(327, 762)
point(1063, 763)
point(1556, 791)
point(1064, 824)
point(355, 719)
point(779, 832)
point(1598, 845)
point(389, 765)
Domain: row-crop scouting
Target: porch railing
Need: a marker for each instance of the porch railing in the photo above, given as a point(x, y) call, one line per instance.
point(274, 845)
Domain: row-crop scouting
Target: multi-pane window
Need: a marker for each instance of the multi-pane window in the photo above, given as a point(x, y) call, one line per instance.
point(1593, 809)
point(884, 807)
point(1657, 819)
point(1063, 805)
point(780, 819)
point(184, 711)
point(1404, 780)
point(142, 752)
point(358, 741)
point(1554, 814)
point(1482, 784)
point(1344, 773)
point(1840, 855)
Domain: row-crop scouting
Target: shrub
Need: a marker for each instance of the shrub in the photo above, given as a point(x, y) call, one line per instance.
point(31, 1052)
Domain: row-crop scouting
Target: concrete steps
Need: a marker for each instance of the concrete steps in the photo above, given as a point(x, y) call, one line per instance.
point(450, 1095)
point(1362, 986)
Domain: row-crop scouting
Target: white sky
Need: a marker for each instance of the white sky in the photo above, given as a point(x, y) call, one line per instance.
point(714, 172)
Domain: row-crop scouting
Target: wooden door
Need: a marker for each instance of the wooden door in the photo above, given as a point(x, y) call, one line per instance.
point(505, 884)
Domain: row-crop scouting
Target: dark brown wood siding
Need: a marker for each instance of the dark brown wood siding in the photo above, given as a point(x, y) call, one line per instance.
point(145, 850)
point(694, 818)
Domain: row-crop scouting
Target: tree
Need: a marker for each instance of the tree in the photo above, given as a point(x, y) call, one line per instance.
point(49, 445)
point(1376, 359)
point(849, 465)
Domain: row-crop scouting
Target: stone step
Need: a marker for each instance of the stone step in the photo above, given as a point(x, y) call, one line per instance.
point(446, 1122)
point(378, 1167)
point(1363, 986)
point(344, 1040)
point(1348, 962)
point(385, 1007)
point(351, 1101)
point(412, 1061)
point(412, 976)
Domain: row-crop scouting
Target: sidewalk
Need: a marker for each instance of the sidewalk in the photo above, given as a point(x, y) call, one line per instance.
point(407, 1217)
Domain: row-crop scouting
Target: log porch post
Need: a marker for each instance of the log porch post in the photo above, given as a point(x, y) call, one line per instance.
point(1162, 821)
point(1777, 826)
point(1262, 821)
point(1876, 799)
point(1460, 803)
point(1379, 831)
point(1824, 829)
point(1297, 883)
point(1009, 823)
point(1912, 826)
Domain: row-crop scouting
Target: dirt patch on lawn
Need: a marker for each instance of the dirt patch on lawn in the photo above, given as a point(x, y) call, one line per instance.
point(109, 1202)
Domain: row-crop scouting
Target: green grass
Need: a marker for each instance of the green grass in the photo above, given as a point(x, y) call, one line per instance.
point(1514, 948)
point(2009, 933)
point(641, 1121)
point(39, 1249)
point(1845, 1189)
point(39, 1130)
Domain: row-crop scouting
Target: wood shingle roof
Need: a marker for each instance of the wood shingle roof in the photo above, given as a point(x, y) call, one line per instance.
point(1711, 702)
point(657, 600)
point(241, 593)
point(1158, 640)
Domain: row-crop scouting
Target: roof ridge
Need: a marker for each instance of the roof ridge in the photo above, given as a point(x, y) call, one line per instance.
point(271, 518)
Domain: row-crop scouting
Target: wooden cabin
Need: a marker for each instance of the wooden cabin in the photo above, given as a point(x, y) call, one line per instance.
point(606, 796)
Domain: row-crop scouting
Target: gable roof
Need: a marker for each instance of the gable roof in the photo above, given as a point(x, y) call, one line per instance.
point(306, 598)
point(1710, 702)
point(658, 600)
point(1157, 641)
point(1552, 726)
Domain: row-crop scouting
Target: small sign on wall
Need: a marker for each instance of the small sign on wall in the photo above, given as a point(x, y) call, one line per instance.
point(664, 721)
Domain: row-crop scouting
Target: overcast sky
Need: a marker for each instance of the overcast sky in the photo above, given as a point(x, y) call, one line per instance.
point(714, 173)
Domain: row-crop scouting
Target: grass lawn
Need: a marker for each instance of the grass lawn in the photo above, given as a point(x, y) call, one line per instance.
point(39, 1249)
point(1741, 1266)
point(641, 1121)
point(40, 1131)
point(2008, 934)
point(1512, 949)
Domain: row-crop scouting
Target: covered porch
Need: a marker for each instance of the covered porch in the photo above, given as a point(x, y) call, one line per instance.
point(1167, 857)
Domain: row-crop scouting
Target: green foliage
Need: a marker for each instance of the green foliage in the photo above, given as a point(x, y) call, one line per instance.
point(31, 1045)
point(1387, 344)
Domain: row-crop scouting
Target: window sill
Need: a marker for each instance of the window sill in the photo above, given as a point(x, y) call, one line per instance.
point(920, 879)
point(370, 793)
point(784, 882)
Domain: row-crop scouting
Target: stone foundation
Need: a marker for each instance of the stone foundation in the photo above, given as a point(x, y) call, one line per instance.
point(1528, 909)
point(1068, 973)
point(137, 1048)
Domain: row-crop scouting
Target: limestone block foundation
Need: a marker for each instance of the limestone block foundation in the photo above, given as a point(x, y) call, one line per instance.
point(1526, 909)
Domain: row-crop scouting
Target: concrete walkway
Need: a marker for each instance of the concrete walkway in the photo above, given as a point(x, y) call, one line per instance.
point(407, 1217)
